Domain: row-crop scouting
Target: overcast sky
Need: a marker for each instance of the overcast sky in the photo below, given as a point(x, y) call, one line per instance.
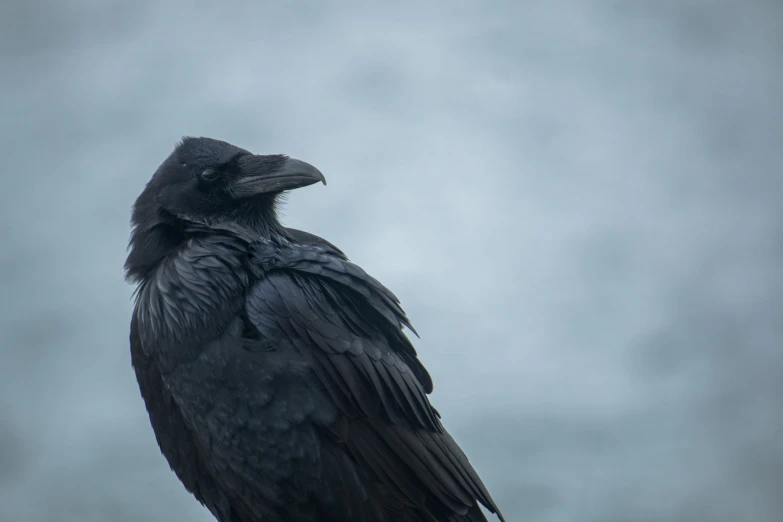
point(578, 203)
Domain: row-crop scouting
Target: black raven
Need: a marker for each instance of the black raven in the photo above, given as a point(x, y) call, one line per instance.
point(276, 374)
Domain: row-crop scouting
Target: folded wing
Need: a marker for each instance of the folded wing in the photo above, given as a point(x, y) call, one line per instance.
point(349, 327)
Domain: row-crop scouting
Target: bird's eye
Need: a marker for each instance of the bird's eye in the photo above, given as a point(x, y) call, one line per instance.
point(210, 174)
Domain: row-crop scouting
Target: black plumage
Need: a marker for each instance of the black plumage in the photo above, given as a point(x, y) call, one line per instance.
point(278, 379)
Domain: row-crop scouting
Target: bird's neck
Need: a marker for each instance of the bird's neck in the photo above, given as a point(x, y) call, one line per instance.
point(152, 243)
point(261, 226)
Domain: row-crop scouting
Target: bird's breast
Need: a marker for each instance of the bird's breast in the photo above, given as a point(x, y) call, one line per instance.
point(190, 298)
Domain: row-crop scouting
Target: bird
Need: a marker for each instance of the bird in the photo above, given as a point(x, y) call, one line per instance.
point(279, 380)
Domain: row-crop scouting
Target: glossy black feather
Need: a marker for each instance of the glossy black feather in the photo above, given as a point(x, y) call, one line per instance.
point(276, 373)
point(408, 427)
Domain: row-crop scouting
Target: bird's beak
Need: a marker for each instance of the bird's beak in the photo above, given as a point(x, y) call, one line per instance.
point(268, 174)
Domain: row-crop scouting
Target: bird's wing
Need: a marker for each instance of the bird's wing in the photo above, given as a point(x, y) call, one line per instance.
point(351, 328)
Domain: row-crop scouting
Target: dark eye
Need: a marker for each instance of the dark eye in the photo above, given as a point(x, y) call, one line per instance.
point(210, 174)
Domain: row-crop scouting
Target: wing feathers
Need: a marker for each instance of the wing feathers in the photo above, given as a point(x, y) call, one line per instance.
point(337, 317)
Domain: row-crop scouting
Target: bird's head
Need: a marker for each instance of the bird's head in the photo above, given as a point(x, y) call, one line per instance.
point(207, 179)
point(210, 183)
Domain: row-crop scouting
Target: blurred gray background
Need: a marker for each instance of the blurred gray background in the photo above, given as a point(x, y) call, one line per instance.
point(578, 203)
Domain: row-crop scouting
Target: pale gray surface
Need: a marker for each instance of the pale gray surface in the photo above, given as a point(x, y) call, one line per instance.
point(579, 204)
